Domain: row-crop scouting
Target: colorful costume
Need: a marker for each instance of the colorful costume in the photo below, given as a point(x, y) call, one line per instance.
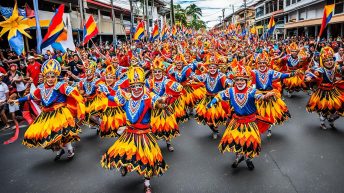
point(136, 149)
point(274, 108)
point(113, 117)
point(163, 121)
point(193, 92)
point(214, 83)
point(94, 101)
point(55, 127)
point(242, 134)
point(295, 83)
point(328, 99)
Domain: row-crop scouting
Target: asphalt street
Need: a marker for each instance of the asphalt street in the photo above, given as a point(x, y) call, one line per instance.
point(299, 157)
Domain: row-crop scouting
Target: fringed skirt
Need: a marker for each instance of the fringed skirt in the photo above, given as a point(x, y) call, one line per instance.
point(241, 136)
point(194, 93)
point(213, 116)
point(136, 152)
point(111, 120)
point(295, 83)
point(93, 107)
point(273, 109)
point(52, 130)
point(164, 124)
point(327, 100)
point(178, 107)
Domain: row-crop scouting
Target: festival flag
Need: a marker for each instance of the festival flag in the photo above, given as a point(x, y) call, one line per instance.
point(140, 31)
point(271, 26)
point(164, 33)
point(155, 32)
point(90, 29)
point(238, 29)
point(56, 30)
point(174, 31)
point(69, 43)
point(328, 13)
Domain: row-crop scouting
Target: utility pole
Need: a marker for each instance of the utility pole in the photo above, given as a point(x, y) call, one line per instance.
point(223, 16)
point(147, 19)
point(245, 12)
point(172, 14)
point(81, 9)
point(114, 37)
point(152, 10)
point(131, 20)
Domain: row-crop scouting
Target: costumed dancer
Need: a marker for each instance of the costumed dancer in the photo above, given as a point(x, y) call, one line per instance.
point(194, 92)
point(163, 122)
point(242, 135)
point(215, 82)
point(271, 108)
point(113, 117)
point(55, 127)
point(95, 101)
point(328, 99)
point(295, 63)
point(136, 149)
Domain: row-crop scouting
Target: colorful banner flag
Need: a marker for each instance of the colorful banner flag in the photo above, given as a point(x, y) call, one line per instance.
point(328, 13)
point(90, 30)
point(155, 33)
point(164, 33)
point(56, 30)
point(174, 31)
point(271, 26)
point(69, 43)
point(140, 31)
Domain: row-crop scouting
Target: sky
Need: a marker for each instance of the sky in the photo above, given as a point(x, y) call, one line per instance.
point(212, 9)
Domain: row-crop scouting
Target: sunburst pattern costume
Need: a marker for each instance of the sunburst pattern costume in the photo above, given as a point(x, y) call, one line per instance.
point(137, 148)
point(55, 127)
point(113, 116)
point(328, 98)
point(163, 121)
point(242, 135)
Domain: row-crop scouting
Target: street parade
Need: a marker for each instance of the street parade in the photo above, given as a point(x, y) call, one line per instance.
point(141, 103)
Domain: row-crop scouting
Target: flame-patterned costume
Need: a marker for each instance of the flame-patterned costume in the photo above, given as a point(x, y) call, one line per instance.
point(113, 116)
point(94, 100)
point(61, 104)
point(295, 83)
point(136, 149)
point(217, 114)
point(163, 121)
point(194, 92)
point(242, 134)
point(328, 98)
point(274, 108)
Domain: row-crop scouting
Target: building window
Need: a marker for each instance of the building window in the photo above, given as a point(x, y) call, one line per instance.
point(260, 11)
point(293, 1)
point(287, 2)
point(280, 5)
point(339, 4)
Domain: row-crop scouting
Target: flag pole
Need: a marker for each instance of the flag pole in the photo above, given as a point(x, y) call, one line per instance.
point(38, 28)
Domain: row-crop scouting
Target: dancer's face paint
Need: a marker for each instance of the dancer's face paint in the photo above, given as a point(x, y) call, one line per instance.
point(240, 83)
point(212, 69)
point(51, 79)
point(136, 90)
point(157, 74)
point(328, 63)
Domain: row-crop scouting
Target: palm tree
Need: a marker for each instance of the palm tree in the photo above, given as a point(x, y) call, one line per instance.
point(194, 11)
point(180, 15)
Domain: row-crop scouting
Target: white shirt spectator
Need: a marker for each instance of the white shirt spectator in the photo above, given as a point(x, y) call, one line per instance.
point(3, 91)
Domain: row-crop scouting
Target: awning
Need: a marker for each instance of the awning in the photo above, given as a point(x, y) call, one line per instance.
point(313, 22)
